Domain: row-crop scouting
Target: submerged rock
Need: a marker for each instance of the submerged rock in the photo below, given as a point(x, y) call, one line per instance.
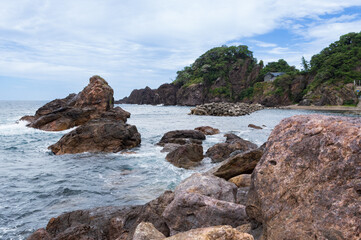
point(307, 184)
point(254, 126)
point(98, 136)
point(221, 151)
point(207, 130)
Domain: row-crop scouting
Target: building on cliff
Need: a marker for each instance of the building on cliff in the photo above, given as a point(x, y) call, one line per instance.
point(270, 76)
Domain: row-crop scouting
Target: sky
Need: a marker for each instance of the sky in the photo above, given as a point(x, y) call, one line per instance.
point(51, 48)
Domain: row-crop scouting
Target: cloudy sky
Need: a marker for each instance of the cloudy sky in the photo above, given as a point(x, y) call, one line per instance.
point(50, 48)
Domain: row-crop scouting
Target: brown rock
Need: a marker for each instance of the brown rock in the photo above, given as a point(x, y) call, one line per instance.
point(307, 184)
point(182, 137)
point(88, 224)
point(95, 101)
point(243, 180)
point(153, 212)
point(221, 151)
point(212, 233)
point(208, 185)
point(107, 222)
point(146, 231)
point(254, 126)
point(207, 130)
point(186, 156)
point(201, 201)
point(242, 163)
point(40, 234)
point(98, 136)
point(192, 210)
point(191, 95)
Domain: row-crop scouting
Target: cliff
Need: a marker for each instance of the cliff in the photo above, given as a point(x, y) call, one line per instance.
point(232, 74)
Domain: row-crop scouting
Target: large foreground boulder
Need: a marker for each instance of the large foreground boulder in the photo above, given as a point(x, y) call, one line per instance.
point(221, 151)
point(98, 136)
point(307, 184)
point(95, 101)
point(203, 201)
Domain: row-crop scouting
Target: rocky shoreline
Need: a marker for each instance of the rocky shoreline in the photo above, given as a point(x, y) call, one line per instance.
point(304, 184)
point(101, 127)
point(226, 109)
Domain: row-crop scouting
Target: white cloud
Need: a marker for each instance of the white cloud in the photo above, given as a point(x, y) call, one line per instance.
point(145, 42)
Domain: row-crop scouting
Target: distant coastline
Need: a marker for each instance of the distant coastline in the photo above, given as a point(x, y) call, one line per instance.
point(323, 108)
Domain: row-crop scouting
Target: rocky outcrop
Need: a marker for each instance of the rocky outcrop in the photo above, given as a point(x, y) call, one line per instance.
point(102, 127)
point(186, 156)
point(191, 95)
point(166, 94)
point(199, 201)
point(327, 94)
point(226, 109)
point(242, 163)
point(221, 151)
point(307, 184)
point(184, 147)
point(95, 101)
point(182, 137)
point(98, 136)
point(207, 130)
point(203, 201)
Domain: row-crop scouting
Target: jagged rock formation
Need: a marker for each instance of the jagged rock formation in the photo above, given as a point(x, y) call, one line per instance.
point(95, 101)
point(100, 135)
point(102, 127)
point(307, 184)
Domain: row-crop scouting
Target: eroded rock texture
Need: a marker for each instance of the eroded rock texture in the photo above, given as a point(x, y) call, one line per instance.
point(307, 185)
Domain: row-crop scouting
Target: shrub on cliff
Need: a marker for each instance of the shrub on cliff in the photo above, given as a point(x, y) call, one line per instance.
point(214, 64)
point(339, 62)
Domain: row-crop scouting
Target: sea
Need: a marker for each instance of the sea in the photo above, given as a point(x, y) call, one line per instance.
point(36, 185)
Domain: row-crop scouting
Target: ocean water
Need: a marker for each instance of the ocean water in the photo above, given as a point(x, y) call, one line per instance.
point(36, 185)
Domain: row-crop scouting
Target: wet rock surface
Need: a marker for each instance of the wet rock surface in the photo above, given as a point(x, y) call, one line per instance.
point(207, 130)
point(186, 156)
point(203, 201)
point(182, 137)
point(102, 126)
point(77, 109)
point(242, 163)
point(221, 151)
point(309, 180)
point(98, 136)
point(226, 109)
